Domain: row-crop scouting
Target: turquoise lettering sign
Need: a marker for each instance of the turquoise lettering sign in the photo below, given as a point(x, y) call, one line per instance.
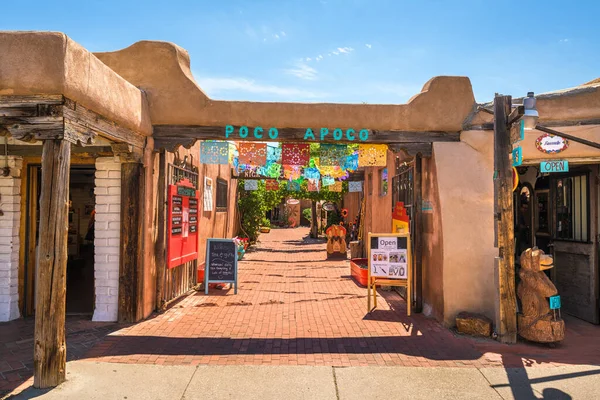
point(554, 302)
point(547, 167)
point(517, 156)
point(318, 134)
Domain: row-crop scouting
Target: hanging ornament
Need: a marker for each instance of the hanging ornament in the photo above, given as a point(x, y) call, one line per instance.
point(312, 173)
point(355, 186)
point(313, 185)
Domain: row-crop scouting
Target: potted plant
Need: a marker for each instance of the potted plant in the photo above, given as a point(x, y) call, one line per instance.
point(265, 226)
point(359, 270)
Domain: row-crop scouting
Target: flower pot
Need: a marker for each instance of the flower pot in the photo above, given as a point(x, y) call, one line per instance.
point(264, 229)
point(359, 271)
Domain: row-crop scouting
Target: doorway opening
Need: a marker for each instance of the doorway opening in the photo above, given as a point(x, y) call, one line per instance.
point(558, 213)
point(80, 240)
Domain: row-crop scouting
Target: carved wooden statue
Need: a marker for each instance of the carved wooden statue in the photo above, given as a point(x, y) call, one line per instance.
point(536, 322)
point(336, 241)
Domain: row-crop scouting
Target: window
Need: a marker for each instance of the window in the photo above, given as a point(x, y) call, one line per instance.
point(221, 194)
point(383, 178)
point(571, 211)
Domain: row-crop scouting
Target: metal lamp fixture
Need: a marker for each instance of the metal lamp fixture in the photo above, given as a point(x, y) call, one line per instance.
point(530, 117)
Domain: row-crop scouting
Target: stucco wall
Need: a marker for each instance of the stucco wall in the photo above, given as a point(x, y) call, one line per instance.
point(465, 186)
point(432, 262)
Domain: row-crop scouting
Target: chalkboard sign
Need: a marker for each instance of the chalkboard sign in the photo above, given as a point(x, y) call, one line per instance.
point(221, 263)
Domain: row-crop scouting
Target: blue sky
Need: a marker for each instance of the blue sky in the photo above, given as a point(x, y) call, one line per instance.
point(349, 51)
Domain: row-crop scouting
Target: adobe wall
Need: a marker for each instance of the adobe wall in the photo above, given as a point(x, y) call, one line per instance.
point(464, 174)
point(432, 261)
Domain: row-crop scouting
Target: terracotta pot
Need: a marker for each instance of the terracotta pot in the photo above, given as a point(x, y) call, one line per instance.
point(358, 273)
point(265, 230)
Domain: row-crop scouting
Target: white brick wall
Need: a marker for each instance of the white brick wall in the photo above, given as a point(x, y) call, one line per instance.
point(106, 238)
point(10, 201)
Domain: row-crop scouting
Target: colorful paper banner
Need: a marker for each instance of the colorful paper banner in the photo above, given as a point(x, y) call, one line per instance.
point(372, 155)
point(253, 153)
point(251, 184)
point(355, 186)
point(313, 185)
point(336, 187)
point(214, 152)
point(295, 153)
point(333, 154)
point(328, 181)
point(272, 184)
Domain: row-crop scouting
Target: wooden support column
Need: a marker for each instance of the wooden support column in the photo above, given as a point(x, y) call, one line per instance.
point(418, 238)
point(506, 302)
point(50, 349)
point(161, 240)
point(131, 256)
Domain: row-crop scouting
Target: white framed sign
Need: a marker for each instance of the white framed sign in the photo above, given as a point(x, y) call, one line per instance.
point(208, 194)
point(389, 257)
point(551, 144)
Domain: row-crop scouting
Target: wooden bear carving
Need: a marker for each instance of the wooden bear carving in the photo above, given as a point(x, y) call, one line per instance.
point(536, 321)
point(336, 240)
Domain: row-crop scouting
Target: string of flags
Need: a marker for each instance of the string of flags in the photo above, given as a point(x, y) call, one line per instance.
point(293, 163)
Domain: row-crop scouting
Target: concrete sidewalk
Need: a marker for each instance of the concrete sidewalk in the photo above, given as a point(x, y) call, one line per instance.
point(106, 381)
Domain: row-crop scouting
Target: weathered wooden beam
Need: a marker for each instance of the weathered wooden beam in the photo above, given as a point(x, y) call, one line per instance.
point(161, 239)
point(506, 306)
point(170, 137)
point(36, 151)
point(131, 258)
point(50, 353)
point(412, 149)
point(84, 120)
point(48, 117)
point(418, 234)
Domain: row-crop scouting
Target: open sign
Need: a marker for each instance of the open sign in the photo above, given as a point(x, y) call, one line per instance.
point(548, 167)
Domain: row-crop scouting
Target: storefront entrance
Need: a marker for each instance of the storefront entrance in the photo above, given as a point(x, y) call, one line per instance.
point(80, 262)
point(559, 214)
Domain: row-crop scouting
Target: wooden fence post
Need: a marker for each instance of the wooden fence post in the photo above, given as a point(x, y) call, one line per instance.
point(506, 302)
point(50, 349)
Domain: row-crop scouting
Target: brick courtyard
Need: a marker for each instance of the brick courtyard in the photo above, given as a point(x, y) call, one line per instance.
point(293, 308)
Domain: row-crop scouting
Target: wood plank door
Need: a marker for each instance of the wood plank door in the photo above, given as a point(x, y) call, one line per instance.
point(574, 231)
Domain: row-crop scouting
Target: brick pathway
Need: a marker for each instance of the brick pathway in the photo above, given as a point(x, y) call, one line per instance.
point(295, 307)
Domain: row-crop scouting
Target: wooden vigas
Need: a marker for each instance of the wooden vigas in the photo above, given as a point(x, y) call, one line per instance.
point(336, 241)
point(536, 322)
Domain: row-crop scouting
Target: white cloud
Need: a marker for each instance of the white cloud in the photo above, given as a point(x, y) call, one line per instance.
point(563, 40)
point(368, 45)
point(345, 50)
point(282, 33)
point(215, 86)
point(336, 52)
point(276, 36)
point(303, 71)
point(319, 57)
point(308, 58)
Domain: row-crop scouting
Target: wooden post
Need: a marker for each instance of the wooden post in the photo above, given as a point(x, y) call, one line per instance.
point(418, 232)
point(506, 303)
point(314, 232)
point(131, 260)
point(50, 350)
point(161, 240)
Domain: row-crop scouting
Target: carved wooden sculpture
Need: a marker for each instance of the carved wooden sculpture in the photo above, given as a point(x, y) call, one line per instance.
point(336, 241)
point(536, 322)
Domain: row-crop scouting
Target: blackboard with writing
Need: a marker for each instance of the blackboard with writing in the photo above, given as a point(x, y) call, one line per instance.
point(221, 262)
